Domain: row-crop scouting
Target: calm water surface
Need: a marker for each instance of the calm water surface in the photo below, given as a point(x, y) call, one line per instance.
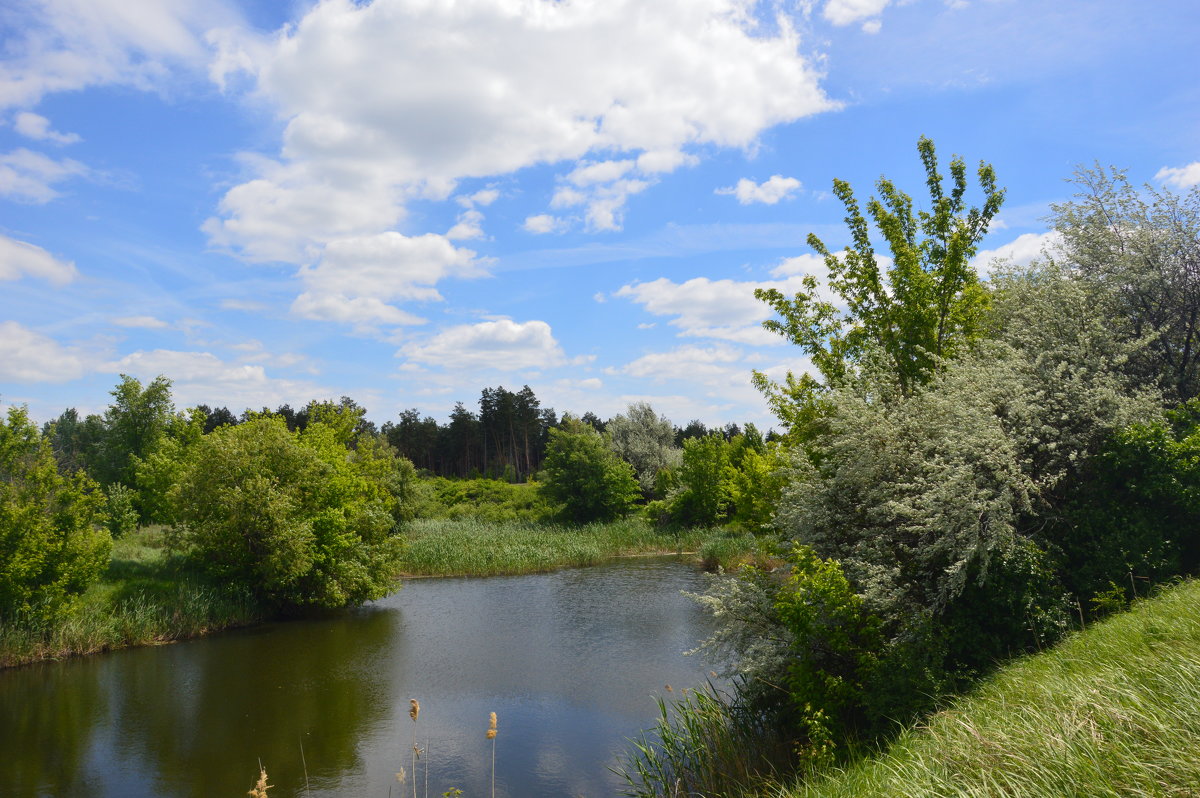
point(570, 661)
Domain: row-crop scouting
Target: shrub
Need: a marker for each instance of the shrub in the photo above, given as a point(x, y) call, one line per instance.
point(52, 545)
point(584, 477)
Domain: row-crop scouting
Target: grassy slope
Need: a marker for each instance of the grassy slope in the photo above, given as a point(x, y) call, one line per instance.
point(1113, 711)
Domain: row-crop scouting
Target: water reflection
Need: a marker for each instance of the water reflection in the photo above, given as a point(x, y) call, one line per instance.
point(568, 660)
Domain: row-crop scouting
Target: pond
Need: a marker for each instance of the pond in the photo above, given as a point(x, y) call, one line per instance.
point(570, 661)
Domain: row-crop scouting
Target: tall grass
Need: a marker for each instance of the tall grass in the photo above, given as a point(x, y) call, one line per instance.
point(470, 547)
point(1112, 711)
point(703, 744)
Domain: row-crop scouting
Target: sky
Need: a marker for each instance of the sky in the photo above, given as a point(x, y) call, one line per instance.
point(407, 201)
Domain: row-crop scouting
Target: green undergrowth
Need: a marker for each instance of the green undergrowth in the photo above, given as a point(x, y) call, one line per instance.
point(145, 597)
point(1112, 711)
point(470, 547)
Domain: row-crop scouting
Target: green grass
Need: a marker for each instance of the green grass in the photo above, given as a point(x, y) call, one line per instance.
point(1112, 711)
point(145, 597)
point(468, 547)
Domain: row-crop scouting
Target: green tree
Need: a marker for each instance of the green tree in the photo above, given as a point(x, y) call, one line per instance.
point(134, 423)
point(926, 305)
point(705, 480)
point(52, 542)
point(157, 473)
point(584, 477)
point(296, 518)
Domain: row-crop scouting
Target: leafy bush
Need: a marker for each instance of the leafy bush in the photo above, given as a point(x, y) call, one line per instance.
point(483, 499)
point(52, 544)
point(584, 477)
point(122, 514)
point(296, 518)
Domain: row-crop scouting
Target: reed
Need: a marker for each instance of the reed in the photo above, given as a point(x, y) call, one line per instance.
point(469, 547)
point(491, 735)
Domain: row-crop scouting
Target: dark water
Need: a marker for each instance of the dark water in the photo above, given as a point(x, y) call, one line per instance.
point(569, 661)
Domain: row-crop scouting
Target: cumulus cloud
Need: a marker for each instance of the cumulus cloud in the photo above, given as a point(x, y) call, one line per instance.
point(708, 365)
point(501, 344)
point(1181, 177)
point(1018, 252)
point(387, 100)
point(769, 192)
point(204, 378)
point(68, 45)
point(37, 127)
point(20, 259)
point(543, 223)
point(29, 356)
point(722, 309)
point(29, 176)
point(357, 277)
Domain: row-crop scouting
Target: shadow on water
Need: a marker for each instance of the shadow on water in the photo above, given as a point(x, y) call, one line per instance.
point(569, 660)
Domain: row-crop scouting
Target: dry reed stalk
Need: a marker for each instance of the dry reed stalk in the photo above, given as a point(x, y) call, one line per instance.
point(414, 709)
point(259, 790)
point(491, 735)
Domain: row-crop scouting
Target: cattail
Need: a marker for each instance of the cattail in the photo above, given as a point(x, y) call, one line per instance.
point(414, 709)
point(491, 732)
point(260, 789)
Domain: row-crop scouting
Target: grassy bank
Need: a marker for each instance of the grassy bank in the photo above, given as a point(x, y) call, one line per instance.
point(1113, 711)
point(467, 547)
point(144, 598)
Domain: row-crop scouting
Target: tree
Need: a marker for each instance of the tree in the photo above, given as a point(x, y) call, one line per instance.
point(52, 544)
point(134, 423)
point(705, 479)
point(645, 440)
point(296, 518)
point(923, 307)
point(584, 477)
point(1143, 254)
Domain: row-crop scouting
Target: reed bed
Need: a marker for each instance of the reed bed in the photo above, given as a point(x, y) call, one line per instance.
point(1112, 711)
point(469, 547)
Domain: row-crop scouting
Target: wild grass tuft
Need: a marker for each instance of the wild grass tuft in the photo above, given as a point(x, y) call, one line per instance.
point(1112, 711)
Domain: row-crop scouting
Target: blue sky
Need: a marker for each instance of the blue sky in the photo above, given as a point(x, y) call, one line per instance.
point(406, 201)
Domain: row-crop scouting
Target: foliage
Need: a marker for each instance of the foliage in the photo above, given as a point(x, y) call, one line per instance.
point(645, 440)
point(1140, 253)
point(134, 423)
point(482, 499)
point(52, 544)
point(705, 482)
point(584, 477)
point(122, 514)
point(159, 470)
point(928, 305)
point(296, 518)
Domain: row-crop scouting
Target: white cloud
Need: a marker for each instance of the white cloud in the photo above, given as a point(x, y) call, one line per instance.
point(395, 98)
point(245, 305)
point(706, 365)
point(722, 309)
point(67, 45)
point(29, 356)
point(846, 12)
point(203, 378)
point(469, 225)
point(356, 277)
point(18, 259)
point(143, 322)
point(501, 344)
point(544, 223)
point(1018, 252)
point(769, 192)
point(29, 176)
point(37, 127)
point(1181, 177)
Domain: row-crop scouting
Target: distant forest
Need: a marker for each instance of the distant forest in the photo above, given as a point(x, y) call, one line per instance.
point(506, 439)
